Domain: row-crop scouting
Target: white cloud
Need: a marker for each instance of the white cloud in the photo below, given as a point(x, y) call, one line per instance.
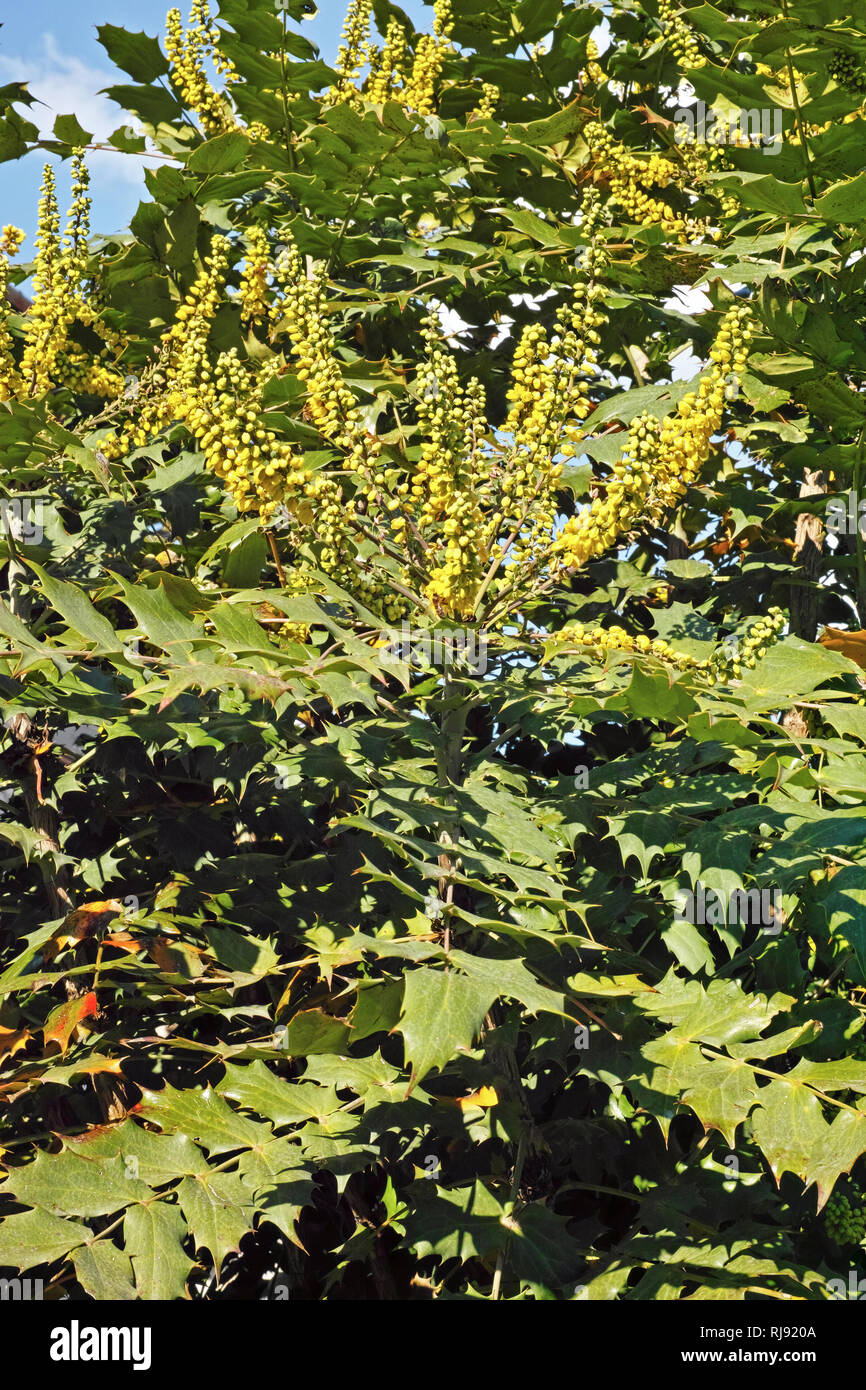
point(64, 84)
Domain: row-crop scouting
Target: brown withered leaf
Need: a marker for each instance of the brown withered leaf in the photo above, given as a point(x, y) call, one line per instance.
point(123, 942)
point(177, 957)
point(850, 644)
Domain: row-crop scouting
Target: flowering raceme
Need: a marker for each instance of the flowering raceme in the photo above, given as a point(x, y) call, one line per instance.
point(386, 67)
point(430, 55)
point(594, 70)
point(394, 73)
point(490, 98)
point(255, 297)
point(465, 519)
point(680, 36)
point(550, 398)
point(354, 51)
point(661, 459)
point(220, 403)
point(725, 664)
point(51, 358)
point(631, 180)
point(447, 486)
point(189, 50)
point(601, 642)
point(11, 240)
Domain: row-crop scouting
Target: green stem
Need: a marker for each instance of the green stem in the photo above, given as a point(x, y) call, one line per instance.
point(290, 153)
point(522, 1151)
point(801, 126)
point(449, 767)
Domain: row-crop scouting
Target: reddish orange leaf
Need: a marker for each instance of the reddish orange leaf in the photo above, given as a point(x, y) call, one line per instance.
point(123, 941)
point(62, 1022)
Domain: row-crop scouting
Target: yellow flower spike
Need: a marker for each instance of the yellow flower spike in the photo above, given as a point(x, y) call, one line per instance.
point(254, 279)
point(490, 98)
point(727, 661)
point(11, 240)
point(680, 36)
point(47, 320)
point(188, 52)
point(661, 460)
point(598, 642)
point(415, 88)
point(550, 396)
point(430, 56)
point(354, 52)
point(594, 70)
point(10, 379)
point(331, 405)
point(450, 479)
point(61, 300)
point(387, 76)
point(630, 178)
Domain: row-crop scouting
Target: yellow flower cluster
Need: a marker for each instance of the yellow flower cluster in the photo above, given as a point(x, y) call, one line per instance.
point(700, 159)
point(722, 666)
point(632, 179)
point(446, 488)
point(389, 74)
point(354, 52)
point(222, 408)
point(188, 51)
point(626, 500)
point(490, 98)
point(550, 399)
point(386, 67)
point(220, 404)
point(50, 358)
point(594, 71)
point(661, 460)
point(680, 36)
point(9, 378)
point(184, 342)
point(727, 663)
point(79, 374)
point(599, 642)
point(300, 312)
point(331, 407)
point(50, 316)
point(11, 240)
point(255, 299)
point(430, 56)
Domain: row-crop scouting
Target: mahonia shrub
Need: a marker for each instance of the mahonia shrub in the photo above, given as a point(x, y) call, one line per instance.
point(432, 634)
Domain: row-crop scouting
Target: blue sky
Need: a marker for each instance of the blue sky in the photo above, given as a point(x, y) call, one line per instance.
point(52, 45)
